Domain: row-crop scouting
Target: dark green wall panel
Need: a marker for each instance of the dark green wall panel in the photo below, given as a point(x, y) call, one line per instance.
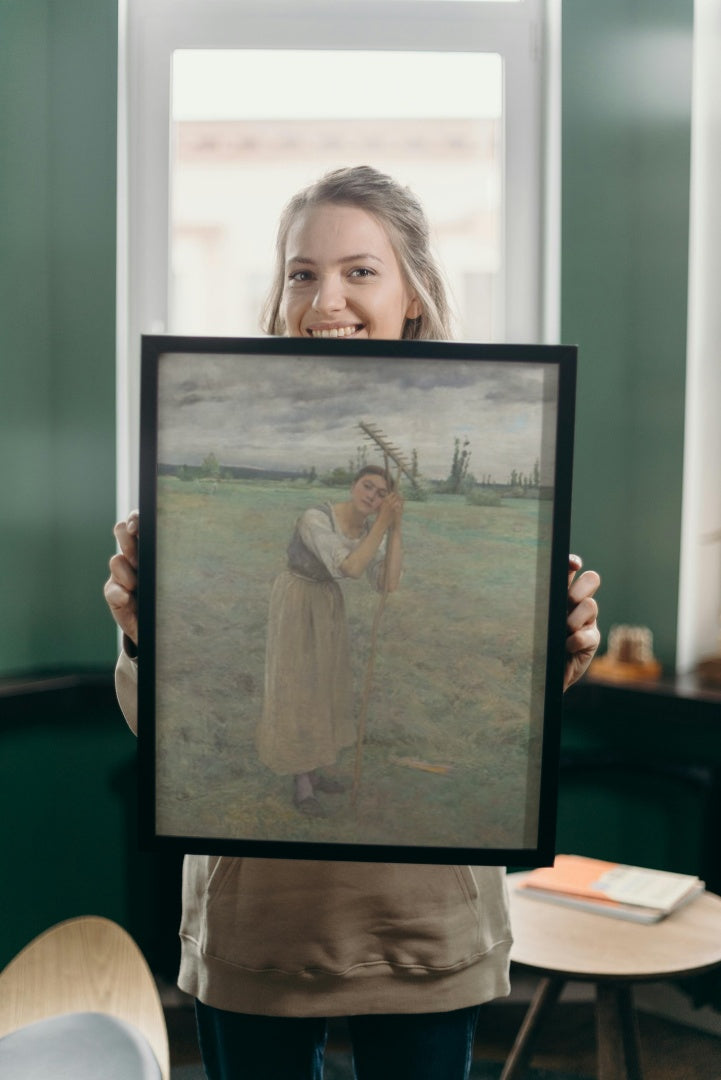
point(58, 79)
point(626, 146)
point(26, 483)
point(68, 801)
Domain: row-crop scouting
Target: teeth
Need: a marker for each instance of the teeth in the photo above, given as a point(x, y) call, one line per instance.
point(336, 332)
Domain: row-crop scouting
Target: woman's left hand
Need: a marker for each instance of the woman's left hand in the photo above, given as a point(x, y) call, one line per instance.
point(583, 635)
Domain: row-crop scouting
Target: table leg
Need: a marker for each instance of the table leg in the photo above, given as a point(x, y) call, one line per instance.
point(617, 1033)
point(545, 997)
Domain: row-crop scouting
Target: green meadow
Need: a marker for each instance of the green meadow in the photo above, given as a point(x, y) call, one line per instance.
point(452, 742)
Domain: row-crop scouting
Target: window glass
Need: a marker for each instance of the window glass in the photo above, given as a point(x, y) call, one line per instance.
point(239, 154)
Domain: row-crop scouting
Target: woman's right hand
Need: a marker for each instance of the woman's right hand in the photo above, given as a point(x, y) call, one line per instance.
point(121, 587)
point(391, 510)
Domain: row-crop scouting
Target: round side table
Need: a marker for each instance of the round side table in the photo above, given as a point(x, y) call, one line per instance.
point(563, 944)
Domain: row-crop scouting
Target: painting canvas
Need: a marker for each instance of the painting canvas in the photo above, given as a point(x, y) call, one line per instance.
point(425, 716)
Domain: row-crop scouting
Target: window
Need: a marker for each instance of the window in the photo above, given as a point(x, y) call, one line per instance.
point(227, 107)
point(236, 161)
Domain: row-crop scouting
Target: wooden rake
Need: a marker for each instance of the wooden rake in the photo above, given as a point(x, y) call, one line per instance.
point(392, 454)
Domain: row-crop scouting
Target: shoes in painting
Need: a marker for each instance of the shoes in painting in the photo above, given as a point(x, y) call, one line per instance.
point(327, 785)
point(309, 806)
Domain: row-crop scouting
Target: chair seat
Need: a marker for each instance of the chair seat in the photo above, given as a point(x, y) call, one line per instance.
point(78, 1046)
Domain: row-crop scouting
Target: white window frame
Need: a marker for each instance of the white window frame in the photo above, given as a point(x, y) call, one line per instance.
point(699, 597)
point(525, 34)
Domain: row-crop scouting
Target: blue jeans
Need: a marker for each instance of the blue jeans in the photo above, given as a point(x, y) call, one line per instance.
point(414, 1046)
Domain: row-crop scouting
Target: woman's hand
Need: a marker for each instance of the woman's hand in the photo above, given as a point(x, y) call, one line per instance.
point(583, 636)
point(391, 511)
point(121, 587)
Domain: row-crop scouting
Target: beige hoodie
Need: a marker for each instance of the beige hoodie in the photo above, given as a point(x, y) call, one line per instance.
point(286, 937)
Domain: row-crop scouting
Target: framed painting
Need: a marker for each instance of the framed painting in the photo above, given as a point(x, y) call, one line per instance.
point(352, 597)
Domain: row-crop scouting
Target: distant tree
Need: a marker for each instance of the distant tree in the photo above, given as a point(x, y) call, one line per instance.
point(210, 466)
point(414, 465)
point(459, 466)
point(360, 462)
point(338, 477)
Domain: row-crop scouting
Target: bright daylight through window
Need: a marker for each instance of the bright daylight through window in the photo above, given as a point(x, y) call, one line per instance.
point(238, 156)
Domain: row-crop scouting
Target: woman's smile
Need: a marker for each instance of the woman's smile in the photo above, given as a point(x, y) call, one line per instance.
point(334, 331)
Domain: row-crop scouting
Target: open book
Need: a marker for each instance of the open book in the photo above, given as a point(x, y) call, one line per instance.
point(608, 888)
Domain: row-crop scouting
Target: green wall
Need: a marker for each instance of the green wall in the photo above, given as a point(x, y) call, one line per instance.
point(625, 200)
point(58, 72)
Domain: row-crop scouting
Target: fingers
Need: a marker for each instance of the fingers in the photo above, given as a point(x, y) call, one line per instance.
point(582, 607)
point(583, 613)
point(121, 587)
point(582, 587)
point(585, 640)
point(126, 534)
point(123, 573)
point(575, 563)
point(582, 633)
point(391, 509)
point(123, 608)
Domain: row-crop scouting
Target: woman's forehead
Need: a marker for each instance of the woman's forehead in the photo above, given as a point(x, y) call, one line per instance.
point(330, 228)
point(377, 481)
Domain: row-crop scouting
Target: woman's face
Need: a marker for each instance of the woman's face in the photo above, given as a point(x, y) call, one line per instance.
point(342, 277)
point(368, 493)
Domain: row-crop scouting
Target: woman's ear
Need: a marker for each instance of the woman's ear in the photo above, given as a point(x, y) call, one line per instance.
point(415, 309)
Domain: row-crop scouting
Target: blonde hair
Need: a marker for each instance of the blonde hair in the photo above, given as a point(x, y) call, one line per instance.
point(403, 217)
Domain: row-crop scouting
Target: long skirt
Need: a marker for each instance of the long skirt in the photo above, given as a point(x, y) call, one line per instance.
point(307, 710)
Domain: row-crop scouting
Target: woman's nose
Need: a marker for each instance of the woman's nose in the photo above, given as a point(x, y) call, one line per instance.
point(329, 296)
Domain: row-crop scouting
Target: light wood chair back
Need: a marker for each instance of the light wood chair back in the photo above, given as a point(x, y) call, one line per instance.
point(87, 964)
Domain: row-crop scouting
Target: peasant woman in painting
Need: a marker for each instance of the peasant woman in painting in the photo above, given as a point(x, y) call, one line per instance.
point(308, 706)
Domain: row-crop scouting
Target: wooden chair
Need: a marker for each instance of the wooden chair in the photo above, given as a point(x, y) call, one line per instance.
point(87, 967)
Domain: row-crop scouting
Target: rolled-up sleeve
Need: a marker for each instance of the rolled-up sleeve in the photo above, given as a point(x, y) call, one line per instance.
point(126, 688)
point(333, 548)
point(318, 535)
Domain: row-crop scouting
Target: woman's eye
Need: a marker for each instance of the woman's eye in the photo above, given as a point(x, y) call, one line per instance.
point(362, 272)
point(299, 276)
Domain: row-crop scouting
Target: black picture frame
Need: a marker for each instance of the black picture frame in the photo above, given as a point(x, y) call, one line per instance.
point(458, 760)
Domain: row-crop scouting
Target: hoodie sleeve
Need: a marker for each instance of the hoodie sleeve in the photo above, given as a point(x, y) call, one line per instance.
point(126, 688)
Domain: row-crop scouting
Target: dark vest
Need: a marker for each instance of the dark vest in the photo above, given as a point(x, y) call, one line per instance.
point(301, 560)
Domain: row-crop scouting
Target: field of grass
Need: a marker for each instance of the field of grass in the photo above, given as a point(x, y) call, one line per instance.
point(452, 683)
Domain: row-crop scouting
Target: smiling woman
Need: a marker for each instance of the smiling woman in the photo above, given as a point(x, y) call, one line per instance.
point(353, 259)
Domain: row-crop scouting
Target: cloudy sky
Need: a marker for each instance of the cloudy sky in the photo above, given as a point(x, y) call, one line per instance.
point(302, 412)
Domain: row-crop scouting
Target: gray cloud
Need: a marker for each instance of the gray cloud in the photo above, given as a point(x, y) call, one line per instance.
point(302, 412)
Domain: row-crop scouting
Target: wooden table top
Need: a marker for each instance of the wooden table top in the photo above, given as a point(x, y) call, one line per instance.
point(582, 945)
